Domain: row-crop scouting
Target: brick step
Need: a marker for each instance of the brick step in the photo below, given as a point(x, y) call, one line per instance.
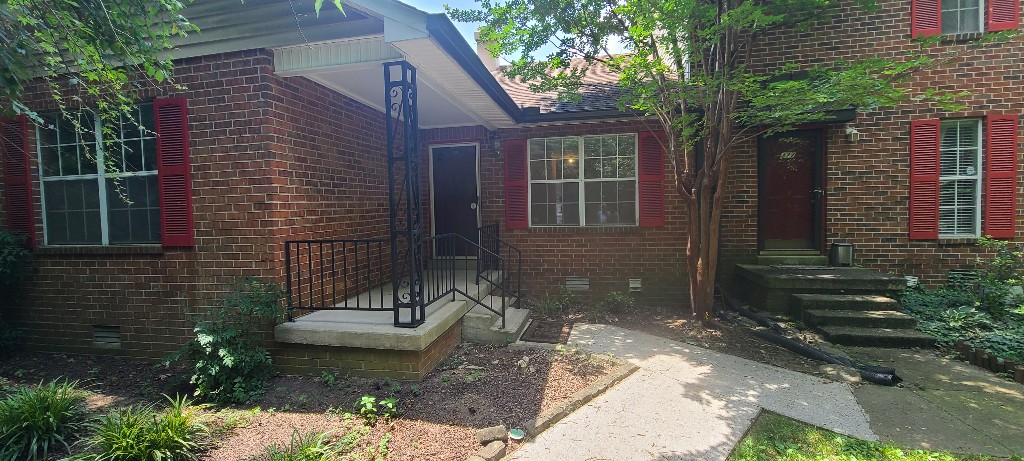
point(877, 337)
point(857, 318)
point(847, 302)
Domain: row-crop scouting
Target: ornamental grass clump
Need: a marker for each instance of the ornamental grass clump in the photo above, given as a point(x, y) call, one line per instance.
point(144, 433)
point(314, 447)
point(36, 421)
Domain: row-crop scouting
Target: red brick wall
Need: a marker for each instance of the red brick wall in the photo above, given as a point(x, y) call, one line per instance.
point(272, 159)
point(868, 181)
point(608, 256)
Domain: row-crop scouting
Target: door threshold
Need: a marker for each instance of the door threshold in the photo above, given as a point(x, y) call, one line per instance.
point(790, 253)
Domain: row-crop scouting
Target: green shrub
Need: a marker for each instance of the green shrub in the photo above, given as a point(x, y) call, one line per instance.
point(983, 310)
point(13, 261)
point(35, 421)
point(229, 364)
point(554, 306)
point(372, 409)
point(143, 433)
point(314, 447)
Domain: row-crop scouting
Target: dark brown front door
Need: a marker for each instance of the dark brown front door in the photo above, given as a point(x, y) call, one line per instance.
point(791, 201)
point(455, 194)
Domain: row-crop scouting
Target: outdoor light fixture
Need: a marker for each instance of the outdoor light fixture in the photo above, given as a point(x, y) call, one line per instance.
point(852, 134)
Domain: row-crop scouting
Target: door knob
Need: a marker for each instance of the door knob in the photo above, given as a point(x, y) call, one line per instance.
point(472, 206)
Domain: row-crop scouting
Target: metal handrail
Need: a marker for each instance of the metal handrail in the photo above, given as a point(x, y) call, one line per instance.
point(320, 272)
point(312, 274)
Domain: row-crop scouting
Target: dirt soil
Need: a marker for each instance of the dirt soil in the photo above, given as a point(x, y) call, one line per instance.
point(477, 386)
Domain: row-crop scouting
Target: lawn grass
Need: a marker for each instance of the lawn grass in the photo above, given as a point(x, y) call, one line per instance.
point(776, 437)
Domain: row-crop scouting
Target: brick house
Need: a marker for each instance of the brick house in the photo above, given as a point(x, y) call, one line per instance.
point(283, 144)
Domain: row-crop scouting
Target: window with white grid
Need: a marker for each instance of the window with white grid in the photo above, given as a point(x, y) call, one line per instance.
point(961, 16)
point(583, 181)
point(99, 183)
point(960, 179)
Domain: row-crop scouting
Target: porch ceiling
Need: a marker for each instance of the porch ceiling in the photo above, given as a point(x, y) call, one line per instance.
point(355, 67)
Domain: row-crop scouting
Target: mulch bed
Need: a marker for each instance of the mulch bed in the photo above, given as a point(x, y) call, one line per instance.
point(477, 386)
point(547, 331)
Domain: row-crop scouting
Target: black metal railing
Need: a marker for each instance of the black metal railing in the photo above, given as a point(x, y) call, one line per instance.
point(510, 266)
point(336, 274)
point(452, 271)
point(356, 274)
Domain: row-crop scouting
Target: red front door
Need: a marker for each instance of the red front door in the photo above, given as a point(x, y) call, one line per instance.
point(790, 191)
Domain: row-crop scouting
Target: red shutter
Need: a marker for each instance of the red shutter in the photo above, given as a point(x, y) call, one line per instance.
point(924, 180)
point(173, 170)
point(1001, 176)
point(650, 179)
point(516, 185)
point(1003, 15)
point(17, 179)
point(925, 18)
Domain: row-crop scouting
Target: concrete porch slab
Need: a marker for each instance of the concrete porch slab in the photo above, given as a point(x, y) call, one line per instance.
point(371, 330)
point(375, 329)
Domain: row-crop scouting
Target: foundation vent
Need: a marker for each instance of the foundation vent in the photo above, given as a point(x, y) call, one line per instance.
point(636, 285)
point(106, 336)
point(577, 283)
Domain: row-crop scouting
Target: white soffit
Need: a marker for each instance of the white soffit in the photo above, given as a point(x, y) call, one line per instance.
point(322, 57)
point(428, 58)
point(355, 68)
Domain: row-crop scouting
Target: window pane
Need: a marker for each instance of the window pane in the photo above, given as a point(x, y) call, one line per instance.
point(50, 160)
point(958, 207)
point(969, 20)
point(72, 212)
point(610, 203)
point(959, 148)
point(537, 149)
point(131, 203)
point(555, 204)
point(149, 154)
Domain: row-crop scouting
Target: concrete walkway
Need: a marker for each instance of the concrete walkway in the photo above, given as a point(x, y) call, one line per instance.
point(685, 403)
point(943, 404)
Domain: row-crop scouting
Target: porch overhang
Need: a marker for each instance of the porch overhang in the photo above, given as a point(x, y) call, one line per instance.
point(448, 85)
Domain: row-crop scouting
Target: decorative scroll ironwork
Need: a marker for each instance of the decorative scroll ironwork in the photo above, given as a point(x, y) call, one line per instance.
point(407, 247)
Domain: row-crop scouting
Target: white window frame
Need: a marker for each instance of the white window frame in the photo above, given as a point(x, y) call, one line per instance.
point(101, 177)
point(582, 181)
point(981, 18)
point(976, 177)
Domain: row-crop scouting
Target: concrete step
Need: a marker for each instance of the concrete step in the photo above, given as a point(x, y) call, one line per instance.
point(482, 325)
point(803, 302)
point(770, 288)
point(787, 260)
point(859, 318)
point(877, 337)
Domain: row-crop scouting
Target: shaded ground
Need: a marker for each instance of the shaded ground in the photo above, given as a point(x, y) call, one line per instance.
point(478, 386)
point(678, 325)
point(777, 437)
point(943, 404)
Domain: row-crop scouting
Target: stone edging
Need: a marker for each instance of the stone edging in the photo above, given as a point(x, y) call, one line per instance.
point(989, 362)
point(551, 416)
point(494, 449)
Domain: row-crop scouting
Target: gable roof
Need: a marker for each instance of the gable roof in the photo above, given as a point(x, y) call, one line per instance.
point(599, 91)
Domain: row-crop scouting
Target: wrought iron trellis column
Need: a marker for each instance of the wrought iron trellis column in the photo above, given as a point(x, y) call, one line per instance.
point(404, 193)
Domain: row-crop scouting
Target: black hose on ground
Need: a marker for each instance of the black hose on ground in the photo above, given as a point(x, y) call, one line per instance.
point(884, 376)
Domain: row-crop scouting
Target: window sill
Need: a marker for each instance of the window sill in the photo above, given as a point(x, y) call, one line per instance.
point(967, 37)
point(585, 229)
point(100, 250)
point(957, 241)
